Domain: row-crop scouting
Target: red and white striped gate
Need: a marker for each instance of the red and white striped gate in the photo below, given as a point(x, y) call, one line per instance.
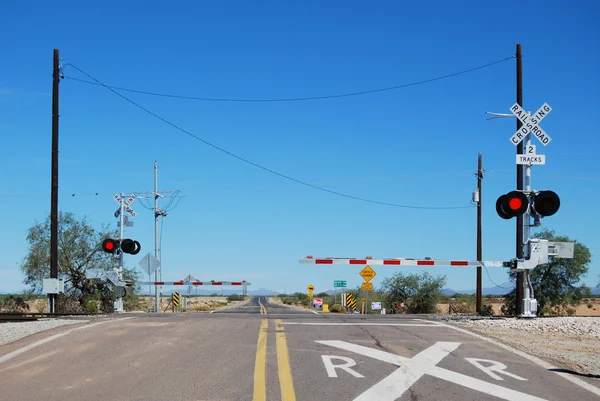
point(191, 283)
point(398, 262)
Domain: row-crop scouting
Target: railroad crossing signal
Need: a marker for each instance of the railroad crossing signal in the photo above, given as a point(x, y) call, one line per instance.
point(515, 203)
point(127, 245)
point(530, 124)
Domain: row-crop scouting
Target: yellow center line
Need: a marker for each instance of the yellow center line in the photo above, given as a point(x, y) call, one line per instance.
point(263, 310)
point(286, 382)
point(260, 366)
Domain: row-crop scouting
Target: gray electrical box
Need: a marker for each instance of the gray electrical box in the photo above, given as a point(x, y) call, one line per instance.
point(561, 249)
point(53, 286)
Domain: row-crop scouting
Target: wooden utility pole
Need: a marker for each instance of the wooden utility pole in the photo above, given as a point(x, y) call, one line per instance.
point(54, 184)
point(479, 245)
point(520, 150)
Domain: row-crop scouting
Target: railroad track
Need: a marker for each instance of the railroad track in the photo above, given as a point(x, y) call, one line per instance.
point(6, 317)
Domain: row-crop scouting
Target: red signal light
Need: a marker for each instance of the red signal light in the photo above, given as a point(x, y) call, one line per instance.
point(515, 203)
point(110, 245)
point(512, 204)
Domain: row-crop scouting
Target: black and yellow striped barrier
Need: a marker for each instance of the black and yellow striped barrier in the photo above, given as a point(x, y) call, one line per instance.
point(176, 300)
point(350, 301)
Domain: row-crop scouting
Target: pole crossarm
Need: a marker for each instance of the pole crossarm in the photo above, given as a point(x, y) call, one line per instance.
point(399, 262)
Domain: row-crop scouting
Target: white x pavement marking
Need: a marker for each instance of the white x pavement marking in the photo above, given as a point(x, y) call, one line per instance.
point(412, 369)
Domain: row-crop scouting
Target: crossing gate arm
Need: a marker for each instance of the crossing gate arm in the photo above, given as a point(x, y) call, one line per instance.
point(399, 262)
point(186, 283)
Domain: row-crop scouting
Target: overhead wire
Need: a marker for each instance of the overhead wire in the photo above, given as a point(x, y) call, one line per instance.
point(291, 99)
point(287, 177)
point(490, 277)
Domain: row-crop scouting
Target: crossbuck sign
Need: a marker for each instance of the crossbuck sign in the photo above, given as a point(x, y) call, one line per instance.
point(530, 124)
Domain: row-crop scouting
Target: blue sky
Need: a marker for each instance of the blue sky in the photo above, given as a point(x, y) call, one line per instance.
point(413, 146)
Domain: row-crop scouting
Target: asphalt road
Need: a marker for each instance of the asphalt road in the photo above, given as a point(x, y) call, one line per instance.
point(258, 356)
point(264, 305)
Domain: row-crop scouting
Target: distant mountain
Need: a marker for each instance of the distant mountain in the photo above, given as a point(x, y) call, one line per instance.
point(263, 291)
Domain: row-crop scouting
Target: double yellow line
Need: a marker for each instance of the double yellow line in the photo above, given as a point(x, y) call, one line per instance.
point(286, 382)
point(263, 310)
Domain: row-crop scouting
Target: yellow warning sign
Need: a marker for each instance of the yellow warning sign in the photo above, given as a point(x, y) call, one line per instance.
point(367, 286)
point(367, 273)
point(310, 288)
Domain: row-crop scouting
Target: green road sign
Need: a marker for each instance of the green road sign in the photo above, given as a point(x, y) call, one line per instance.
point(339, 283)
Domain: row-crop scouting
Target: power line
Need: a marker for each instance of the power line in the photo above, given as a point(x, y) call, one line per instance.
point(499, 286)
point(260, 166)
point(291, 99)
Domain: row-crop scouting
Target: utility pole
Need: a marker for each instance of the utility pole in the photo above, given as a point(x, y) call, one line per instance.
point(479, 246)
point(119, 302)
point(54, 185)
point(520, 150)
point(157, 212)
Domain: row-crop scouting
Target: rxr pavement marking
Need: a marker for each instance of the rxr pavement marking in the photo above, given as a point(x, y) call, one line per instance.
point(412, 369)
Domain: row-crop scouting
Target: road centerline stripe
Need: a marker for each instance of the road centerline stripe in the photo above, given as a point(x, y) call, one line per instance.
point(260, 365)
point(286, 382)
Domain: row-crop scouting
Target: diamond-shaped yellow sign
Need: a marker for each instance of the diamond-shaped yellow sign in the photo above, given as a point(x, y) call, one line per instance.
point(367, 273)
point(310, 288)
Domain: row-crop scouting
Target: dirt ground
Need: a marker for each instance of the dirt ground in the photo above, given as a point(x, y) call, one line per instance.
point(193, 304)
point(583, 309)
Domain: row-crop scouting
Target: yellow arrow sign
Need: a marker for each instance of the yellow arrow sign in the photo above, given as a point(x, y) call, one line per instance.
point(310, 288)
point(367, 273)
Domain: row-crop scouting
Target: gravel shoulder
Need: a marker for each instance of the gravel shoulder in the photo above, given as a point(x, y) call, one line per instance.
point(571, 342)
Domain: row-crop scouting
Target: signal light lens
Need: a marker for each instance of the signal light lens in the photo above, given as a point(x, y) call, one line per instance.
point(130, 246)
point(109, 245)
point(545, 203)
point(512, 204)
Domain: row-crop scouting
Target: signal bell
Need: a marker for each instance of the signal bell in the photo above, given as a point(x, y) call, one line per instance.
point(512, 204)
